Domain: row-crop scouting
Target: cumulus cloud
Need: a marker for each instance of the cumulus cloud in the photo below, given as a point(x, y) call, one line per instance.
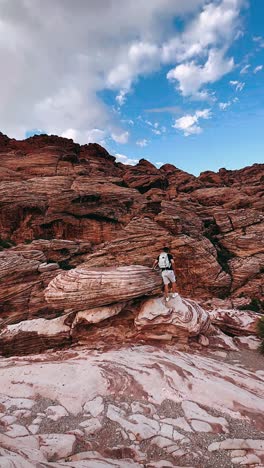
point(189, 124)
point(217, 24)
point(258, 69)
point(94, 135)
point(202, 47)
point(59, 56)
point(125, 159)
point(142, 143)
point(192, 76)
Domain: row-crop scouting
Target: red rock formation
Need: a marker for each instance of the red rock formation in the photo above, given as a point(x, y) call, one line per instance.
point(83, 288)
point(235, 322)
point(53, 190)
point(179, 317)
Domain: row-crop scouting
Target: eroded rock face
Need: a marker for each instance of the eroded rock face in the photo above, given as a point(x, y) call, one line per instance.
point(178, 317)
point(235, 322)
point(53, 190)
point(22, 285)
point(84, 287)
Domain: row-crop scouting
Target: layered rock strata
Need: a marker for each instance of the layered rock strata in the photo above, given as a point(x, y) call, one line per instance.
point(53, 190)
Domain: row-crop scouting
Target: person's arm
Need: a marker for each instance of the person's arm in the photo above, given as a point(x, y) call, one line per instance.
point(173, 265)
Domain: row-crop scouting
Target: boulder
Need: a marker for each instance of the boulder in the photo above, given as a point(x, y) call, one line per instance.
point(33, 336)
point(235, 322)
point(84, 288)
point(179, 317)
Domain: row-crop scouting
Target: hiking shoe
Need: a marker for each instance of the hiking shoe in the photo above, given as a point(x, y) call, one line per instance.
point(175, 295)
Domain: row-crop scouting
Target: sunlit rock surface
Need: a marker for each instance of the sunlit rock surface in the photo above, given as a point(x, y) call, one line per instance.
point(177, 317)
point(137, 406)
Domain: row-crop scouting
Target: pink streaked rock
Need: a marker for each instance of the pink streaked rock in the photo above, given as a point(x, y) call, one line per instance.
point(178, 316)
point(125, 404)
point(84, 288)
point(236, 322)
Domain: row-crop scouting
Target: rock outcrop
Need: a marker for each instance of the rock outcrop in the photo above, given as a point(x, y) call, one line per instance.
point(130, 407)
point(178, 317)
point(79, 233)
point(84, 288)
point(235, 322)
point(53, 192)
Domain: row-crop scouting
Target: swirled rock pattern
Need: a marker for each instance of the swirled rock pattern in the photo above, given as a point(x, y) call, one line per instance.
point(138, 406)
point(53, 190)
point(177, 317)
point(235, 322)
point(84, 288)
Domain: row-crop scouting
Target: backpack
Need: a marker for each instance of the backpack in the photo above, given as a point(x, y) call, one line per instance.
point(164, 261)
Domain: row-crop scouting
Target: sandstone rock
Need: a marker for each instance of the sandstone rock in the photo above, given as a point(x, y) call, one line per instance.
point(242, 322)
point(82, 287)
point(248, 342)
point(178, 317)
point(79, 198)
point(129, 395)
point(22, 287)
point(96, 315)
point(32, 336)
point(43, 267)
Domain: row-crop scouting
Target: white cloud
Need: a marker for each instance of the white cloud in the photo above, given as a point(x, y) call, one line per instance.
point(94, 135)
point(216, 25)
point(156, 131)
point(142, 143)
point(121, 97)
point(189, 124)
point(192, 76)
point(128, 121)
point(245, 69)
point(120, 137)
point(258, 69)
point(125, 159)
point(159, 163)
point(238, 85)
point(259, 40)
point(224, 105)
point(55, 70)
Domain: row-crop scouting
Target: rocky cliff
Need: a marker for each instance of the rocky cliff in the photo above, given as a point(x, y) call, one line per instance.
point(125, 379)
point(69, 204)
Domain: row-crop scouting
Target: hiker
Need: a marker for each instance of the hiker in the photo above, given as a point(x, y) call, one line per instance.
point(167, 266)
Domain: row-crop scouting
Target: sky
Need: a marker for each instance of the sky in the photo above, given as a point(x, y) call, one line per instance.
point(165, 80)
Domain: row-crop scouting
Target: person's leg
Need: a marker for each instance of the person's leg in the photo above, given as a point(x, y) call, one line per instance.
point(173, 284)
point(166, 281)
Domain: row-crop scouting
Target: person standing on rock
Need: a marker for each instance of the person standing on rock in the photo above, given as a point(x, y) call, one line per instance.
point(166, 264)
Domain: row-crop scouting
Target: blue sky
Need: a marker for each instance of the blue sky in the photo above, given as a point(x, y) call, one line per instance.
point(168, 81)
